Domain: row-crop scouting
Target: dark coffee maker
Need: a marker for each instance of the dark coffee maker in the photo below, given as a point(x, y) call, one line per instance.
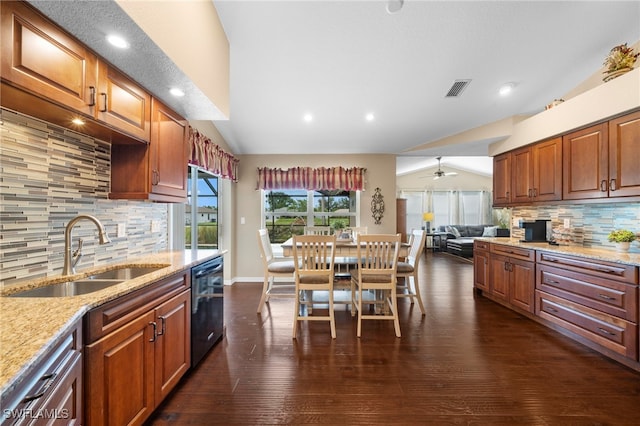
point(535, 232)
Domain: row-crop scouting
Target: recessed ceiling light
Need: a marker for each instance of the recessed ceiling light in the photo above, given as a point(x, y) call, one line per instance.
point(118, 41)
point(506, 88)
point(369, 117)
point(308, 118)
point(176, 92)
point(394, 6)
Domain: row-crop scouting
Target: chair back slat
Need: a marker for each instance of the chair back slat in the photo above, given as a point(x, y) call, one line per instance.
point(266, 253)
point(314, 253)
point(317, 230)
point(378, 253)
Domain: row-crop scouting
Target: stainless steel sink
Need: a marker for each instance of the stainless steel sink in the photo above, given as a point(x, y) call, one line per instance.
point(89, 284)
point(128, 273)
point(70, 288)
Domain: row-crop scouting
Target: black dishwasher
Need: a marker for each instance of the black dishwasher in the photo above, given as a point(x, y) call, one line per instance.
point(207, 307)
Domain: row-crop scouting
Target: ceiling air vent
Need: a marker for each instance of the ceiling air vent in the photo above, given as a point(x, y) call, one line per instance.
point(457, 88)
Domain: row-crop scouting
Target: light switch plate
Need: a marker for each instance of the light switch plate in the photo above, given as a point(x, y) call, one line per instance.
point(155, 226)
point(122, 230)
point(567, 223)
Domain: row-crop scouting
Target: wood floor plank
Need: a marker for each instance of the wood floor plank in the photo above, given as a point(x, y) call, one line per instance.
point(467, 361)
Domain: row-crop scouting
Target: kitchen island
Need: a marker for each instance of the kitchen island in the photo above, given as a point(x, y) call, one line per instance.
point(31, 326)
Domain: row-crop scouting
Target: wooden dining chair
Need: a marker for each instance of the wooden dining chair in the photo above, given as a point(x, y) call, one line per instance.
point(376, 274)
point(407, 273)
point(345, 265)
point(274, 268)
point(313, 257)
point(317, 230)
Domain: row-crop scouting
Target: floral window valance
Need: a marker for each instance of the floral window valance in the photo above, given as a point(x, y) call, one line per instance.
point(321, 178)
point(209, 156)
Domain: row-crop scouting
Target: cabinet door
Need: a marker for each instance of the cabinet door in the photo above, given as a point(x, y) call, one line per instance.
point(501, 180)
point(481, 269)
point(122, 104)
point(624, 156)
point(500, 276)
point(168, 161)
point(44, 60)
point(547, 170)
point(586, 166)
point(522, 283)
point(173, 349)
point(521, 176)
point(120, 374)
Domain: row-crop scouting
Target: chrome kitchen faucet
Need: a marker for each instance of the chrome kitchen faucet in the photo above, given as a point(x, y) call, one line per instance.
point(71, 260)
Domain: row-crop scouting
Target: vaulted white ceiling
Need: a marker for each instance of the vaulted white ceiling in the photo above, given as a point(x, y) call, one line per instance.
point(340, 60)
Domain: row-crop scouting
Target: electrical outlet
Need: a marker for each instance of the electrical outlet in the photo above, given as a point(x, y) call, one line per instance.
point(122, 230)
point(567, 223)
point(155, 226)
point(515, 222)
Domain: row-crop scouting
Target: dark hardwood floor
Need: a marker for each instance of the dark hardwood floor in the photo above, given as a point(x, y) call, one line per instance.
point(469, 361)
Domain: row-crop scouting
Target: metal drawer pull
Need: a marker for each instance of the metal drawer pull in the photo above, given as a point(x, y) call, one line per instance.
point(552, 310)
point(612, 184)
point(608, 271)
point(605, 297)
point(49, 381)
point(548, 281)
point(607, 332)
point(163, 327)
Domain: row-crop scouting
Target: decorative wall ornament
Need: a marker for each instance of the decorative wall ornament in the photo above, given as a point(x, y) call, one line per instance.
point(377, 206)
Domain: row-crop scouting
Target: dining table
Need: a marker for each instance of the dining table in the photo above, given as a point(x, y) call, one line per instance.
point(344, 248)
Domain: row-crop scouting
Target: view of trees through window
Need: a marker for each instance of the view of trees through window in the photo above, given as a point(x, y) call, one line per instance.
point(201, 209)
point(287, 212)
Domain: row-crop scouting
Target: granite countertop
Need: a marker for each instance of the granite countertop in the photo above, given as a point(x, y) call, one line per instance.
point(30, 326)
point(609, 255)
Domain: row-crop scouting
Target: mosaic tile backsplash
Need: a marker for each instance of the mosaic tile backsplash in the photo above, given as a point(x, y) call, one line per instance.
point(48, 175)
point(590, 224)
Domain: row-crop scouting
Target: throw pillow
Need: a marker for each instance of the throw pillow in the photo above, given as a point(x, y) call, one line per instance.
point(490, 231)
point(454, 231)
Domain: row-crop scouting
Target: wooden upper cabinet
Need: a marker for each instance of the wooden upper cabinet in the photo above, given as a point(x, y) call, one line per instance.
point(585, 158)
point(521, 175)
point(624, 156)
point(121, 103)
point(547, 170)
point(168, 152)
point(44, 60)
point(157, 171)
point(502, 179)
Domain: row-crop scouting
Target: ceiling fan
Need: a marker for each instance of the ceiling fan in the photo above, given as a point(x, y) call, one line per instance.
point(439, 173)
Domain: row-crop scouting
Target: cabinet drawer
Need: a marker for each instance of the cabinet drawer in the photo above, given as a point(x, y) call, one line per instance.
point(112, 315)
point(608, 296)
point(480, 245)
point(514, 252)
point(599, 268)
point(613, 333)
point(53, 388)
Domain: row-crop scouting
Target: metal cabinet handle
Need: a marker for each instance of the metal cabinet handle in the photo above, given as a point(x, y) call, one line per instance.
point(155, 331)
point(551, 310)
point(612, 184)
point(50, 377)
point(548, 281)
point(603, 185)
point(607, 332)
point(163, 321)
point(605, 297)
point(92, 96)
point(104, 100)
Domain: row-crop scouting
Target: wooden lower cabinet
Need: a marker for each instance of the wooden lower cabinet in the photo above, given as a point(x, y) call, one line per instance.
point(132, 369)
point(481, 265)
point(53, 392)
point(512, 276)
